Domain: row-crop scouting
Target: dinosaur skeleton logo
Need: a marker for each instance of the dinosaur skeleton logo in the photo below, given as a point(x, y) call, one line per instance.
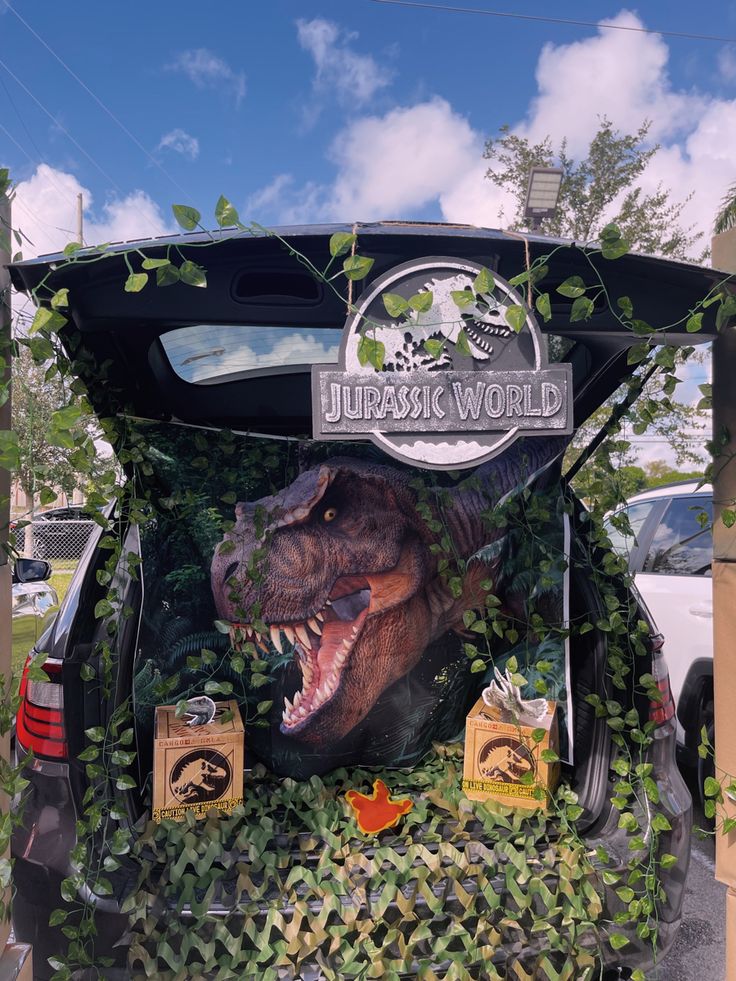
point(202, 775)
point(506, 759)
point(443, 365)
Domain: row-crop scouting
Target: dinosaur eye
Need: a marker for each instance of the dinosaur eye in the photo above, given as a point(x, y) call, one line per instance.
point(330, 514)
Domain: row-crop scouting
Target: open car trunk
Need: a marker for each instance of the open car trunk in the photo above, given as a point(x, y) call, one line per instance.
point(214, 393)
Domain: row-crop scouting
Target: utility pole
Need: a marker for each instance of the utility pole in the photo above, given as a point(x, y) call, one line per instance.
point(80, 219)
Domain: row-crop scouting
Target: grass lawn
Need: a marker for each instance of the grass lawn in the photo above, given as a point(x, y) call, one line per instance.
point(27, 630)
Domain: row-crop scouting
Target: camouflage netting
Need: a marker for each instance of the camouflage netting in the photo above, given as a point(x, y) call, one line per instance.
point(458, 890)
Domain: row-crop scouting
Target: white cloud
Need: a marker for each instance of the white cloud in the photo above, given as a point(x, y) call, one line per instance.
point(207, 70)
point(727, 63)
point(351, 77)
point(45, 209)
point(181, 142)
point(416, 156)
point(391, 165)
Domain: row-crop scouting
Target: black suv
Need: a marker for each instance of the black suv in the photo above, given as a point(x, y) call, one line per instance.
point(236, 358)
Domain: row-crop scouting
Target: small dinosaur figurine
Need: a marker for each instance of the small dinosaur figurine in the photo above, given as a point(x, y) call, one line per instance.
point(503, 694)
point(200, 711)
point(377, 811)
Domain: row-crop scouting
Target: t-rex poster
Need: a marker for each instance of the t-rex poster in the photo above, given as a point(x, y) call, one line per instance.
point(353, 606)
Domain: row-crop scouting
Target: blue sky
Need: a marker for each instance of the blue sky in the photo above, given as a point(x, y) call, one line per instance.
point(306, 111)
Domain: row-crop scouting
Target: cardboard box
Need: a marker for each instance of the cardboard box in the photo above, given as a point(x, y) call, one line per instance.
point(498, 753)
point(196, 768)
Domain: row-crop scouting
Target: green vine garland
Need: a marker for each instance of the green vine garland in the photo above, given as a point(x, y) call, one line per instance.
point(534, 890)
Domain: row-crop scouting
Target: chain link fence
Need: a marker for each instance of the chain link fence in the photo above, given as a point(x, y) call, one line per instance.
point(59, 542)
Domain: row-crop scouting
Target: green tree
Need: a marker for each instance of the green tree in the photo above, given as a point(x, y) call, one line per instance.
point(37, 393)
point(596, 190)
point(726, 215)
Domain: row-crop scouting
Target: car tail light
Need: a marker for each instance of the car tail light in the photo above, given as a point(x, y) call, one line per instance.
point(39, 724)
point(662, 709)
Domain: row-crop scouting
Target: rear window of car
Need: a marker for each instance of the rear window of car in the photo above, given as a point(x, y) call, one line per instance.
point(683, 543)
point(208, 353)
point(625, 525)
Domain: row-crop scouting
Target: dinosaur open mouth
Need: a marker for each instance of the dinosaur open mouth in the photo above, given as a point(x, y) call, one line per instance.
point(323, 644)
point(324, 640)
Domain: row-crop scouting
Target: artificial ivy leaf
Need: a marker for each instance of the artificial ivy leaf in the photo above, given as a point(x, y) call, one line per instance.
point(618, 940)
point(218, 688)
point(660, 823)
point(225, 213)
point(572, 287)
point(625, 306)
point(462, 298)
point(103, 608)
point(694, 323)
point(135, 282)
point(434, 347)
point(357, 266)
point(371, 351)
point(477, 665)
point(665, 357)
point(711, 787)
point(125, 782)
point(57, 917)
point(515, 316)
point(422, 302)
point(667, 861)
point(341, 242)
point(728, 517)
point(192, 274)
point(462, 346)
point(155, 263)
point(484, 282)
point(72, 247)
point(47, 320)
point(264, 706)
point(66, 417)
point(610, 233)
point(637, 353)
point(60, 298)
point(581, 309)
point(544, 307)
point(96, 734)
point(614, 250)
point(395, 305)
point(188, 218)
point(167, 275)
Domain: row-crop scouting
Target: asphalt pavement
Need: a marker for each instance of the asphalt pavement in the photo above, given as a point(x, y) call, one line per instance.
point(699, 951)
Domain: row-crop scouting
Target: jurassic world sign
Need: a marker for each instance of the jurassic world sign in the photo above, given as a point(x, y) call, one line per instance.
point(443, 365)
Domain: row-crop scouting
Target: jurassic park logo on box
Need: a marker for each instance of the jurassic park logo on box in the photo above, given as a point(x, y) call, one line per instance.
point(501, 752)
point(197, 767)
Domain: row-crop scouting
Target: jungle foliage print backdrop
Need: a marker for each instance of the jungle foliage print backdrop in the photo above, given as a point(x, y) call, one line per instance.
point(331, 592)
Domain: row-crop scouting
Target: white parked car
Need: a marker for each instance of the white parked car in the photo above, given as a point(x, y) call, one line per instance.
point(669, 550)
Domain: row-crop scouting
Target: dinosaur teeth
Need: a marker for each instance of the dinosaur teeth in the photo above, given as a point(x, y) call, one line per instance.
point(314, 626)
point(302, 633)
point(289, 633)
point(297, 699)
point(320, 616)
point(276, 639)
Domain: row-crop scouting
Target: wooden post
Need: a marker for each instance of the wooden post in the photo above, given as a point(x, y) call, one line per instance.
point(724, 586)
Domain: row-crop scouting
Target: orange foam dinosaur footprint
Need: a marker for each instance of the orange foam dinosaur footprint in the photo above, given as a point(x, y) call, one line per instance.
point(377, 811)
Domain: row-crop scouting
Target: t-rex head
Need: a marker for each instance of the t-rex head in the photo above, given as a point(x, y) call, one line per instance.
point(343, 580)
point(340, 565)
